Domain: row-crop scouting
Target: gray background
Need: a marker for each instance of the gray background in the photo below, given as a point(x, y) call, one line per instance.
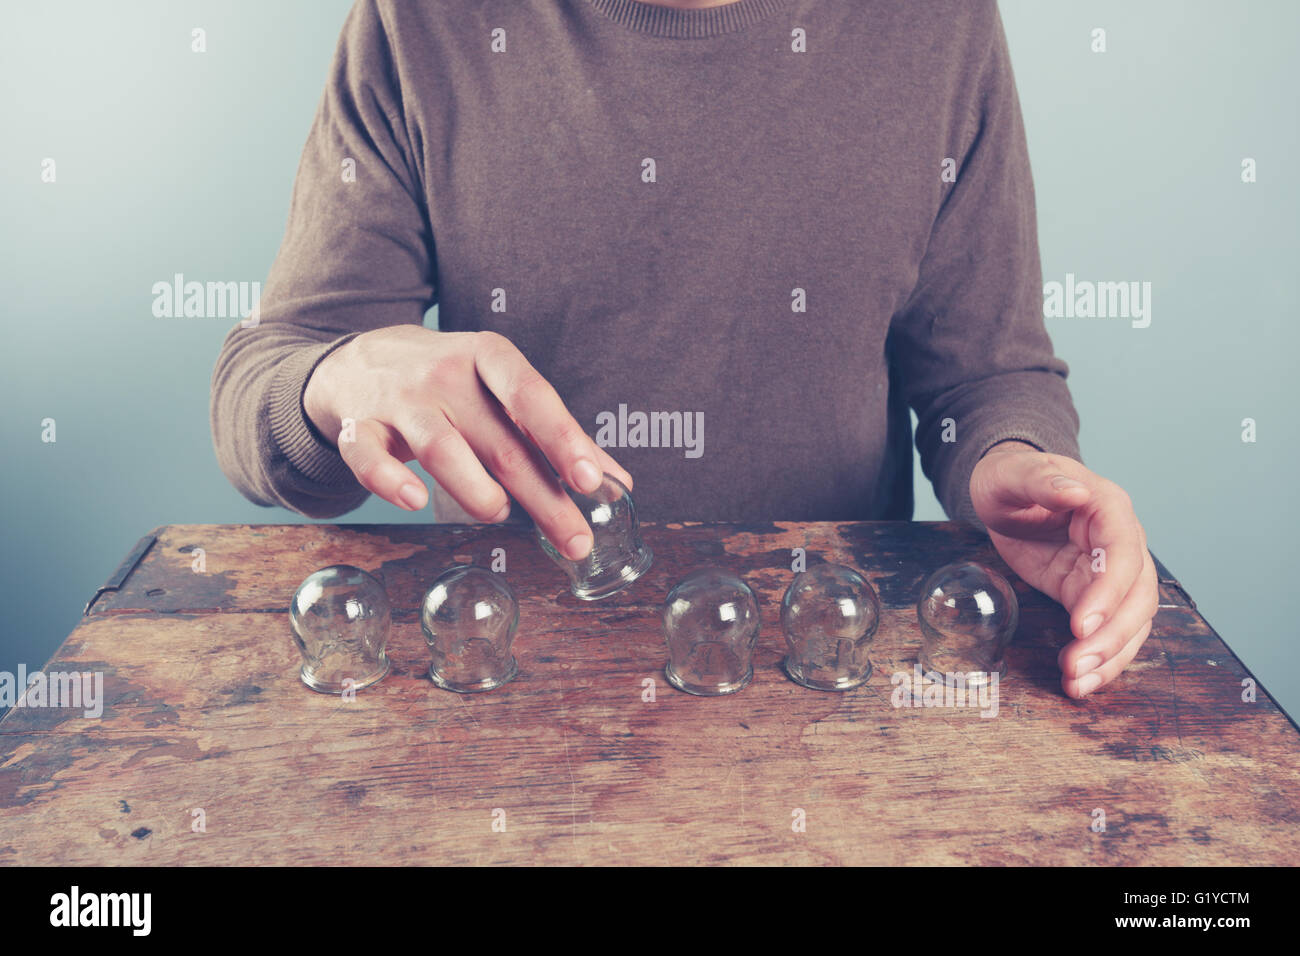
point(174, 162)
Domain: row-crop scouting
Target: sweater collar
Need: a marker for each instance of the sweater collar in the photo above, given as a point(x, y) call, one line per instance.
point(659, 20)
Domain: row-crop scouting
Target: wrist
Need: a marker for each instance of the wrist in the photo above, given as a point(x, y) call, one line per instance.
point(1010, 445)
point(316, 404)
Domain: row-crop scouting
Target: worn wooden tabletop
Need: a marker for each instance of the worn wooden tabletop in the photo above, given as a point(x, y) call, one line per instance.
point(211, 751)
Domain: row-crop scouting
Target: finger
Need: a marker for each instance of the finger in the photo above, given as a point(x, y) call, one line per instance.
point(1108, 535)
point(1053, 482)
point(518, 464)
point(369, 453)
point(611, 467)
point(1109, 640)
point(445, 455)
point(531, 401)
point(1107, 672)
point(1030, 496)
point(603, 459)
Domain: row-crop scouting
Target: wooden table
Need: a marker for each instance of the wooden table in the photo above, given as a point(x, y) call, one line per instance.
point(204, 712)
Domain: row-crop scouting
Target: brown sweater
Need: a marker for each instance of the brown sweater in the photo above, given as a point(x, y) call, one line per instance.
point(724, 235)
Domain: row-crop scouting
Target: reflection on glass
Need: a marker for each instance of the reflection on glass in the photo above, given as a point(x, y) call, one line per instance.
point(340, 619)
point(469, 617)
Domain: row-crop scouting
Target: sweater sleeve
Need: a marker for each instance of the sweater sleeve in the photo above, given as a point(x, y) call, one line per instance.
point(974, 358)
point(357, 254)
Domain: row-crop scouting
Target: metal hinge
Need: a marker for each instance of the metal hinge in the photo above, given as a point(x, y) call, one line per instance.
point(123, 570)
point(1166, 578)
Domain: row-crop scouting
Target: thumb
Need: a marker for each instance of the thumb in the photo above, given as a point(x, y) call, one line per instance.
point(1014, 484)
point(1057, 492)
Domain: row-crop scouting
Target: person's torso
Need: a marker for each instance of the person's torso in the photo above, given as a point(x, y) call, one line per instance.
point(699, 240)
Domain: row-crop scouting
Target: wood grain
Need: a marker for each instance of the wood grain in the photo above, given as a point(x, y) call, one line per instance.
point(204, 710)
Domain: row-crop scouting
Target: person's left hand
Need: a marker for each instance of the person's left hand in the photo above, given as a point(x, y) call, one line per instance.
point(1054, 521)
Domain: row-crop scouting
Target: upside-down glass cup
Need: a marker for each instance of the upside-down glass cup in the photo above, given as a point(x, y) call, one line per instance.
point(711, 623)
point(618, 557)
point(968, 614)
point(829, 615)
point(469, 617)
point(340, 618)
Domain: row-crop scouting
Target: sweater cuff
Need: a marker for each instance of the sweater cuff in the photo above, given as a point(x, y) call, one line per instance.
point(296, 439)
point(1044, 435)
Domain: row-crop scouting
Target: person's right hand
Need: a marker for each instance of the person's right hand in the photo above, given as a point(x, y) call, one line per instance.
point(467, 406)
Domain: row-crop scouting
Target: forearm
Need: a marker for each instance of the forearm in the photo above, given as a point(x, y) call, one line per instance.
point(263, 441)
point(958, 427)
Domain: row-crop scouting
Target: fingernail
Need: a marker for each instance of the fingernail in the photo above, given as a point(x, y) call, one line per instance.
point(578, 547)
point(1061, 483)
point(413, 496)
point(503, 514)
point(1091, 623)
point(1089, 663)
point(1089, 683)
point(586, 475)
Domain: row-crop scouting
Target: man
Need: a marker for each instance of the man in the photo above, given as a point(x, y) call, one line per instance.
point(787, 220)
